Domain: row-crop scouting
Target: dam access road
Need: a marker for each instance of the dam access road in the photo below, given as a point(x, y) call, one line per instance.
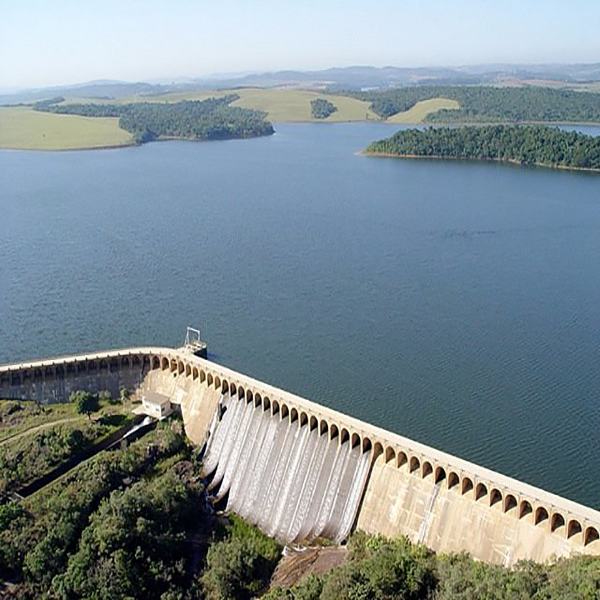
point(300, 470)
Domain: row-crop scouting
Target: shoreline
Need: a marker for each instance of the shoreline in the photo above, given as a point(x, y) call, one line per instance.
point(496, 160)
point(78, 149)
point(128, 144)
point(131, 143)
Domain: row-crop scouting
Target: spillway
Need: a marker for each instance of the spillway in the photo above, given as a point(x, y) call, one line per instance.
point(286, 477)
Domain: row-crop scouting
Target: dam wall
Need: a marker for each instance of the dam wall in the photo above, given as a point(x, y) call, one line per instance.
point(53, 380)
point(269, 448)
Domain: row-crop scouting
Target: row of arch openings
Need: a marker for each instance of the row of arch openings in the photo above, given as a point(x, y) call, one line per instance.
point(507, 503)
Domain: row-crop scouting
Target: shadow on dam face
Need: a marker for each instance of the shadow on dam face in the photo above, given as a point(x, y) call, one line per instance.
point(291, 480)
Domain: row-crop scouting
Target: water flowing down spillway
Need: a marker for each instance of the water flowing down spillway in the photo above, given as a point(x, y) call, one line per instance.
point(291, 480)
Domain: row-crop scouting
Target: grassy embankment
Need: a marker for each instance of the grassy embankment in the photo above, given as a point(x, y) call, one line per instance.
point(35, 440)
point(22, 128)
point(422, 109)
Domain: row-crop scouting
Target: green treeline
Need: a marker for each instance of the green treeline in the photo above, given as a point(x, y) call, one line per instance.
point(211, 119)
point(479, 104)
point(380, 569)
point(321, 108)
point(533, 145)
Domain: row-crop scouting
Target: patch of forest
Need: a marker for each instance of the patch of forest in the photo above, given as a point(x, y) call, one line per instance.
point(131, 523)
point(489, 104)
point(321, 108)
point(528, 145)
point(211, 119)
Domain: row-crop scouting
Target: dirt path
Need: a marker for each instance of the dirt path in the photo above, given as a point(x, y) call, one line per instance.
point(297, 565)
point(37, 428)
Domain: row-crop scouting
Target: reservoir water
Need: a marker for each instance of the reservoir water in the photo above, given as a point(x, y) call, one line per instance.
point(455, 303)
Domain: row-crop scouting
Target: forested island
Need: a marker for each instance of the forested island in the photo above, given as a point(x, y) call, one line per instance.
point(523, 144)
point(211, 119)
point(489, 104)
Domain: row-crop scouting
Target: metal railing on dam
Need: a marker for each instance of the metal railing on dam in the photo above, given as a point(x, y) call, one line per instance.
point(409, 488)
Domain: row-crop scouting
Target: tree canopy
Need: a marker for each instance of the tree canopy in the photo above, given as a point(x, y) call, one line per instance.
point(539, 145)
point(85, 402)
point(321, 108)
point(489, 104)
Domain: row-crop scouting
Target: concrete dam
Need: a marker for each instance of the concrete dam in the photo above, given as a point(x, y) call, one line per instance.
point(300, 470)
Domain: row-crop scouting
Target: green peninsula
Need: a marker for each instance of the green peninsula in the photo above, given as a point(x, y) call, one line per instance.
point(210, 119)
point(526, 145)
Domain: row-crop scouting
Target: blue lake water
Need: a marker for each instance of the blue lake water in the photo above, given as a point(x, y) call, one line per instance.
point(456, 303)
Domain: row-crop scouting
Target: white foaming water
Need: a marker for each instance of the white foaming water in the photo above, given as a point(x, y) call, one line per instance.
point(277, 464)
point(292, 482)
point(215, 437)
point(232, 425)
point(297, 477)
point(301, 521)
point(353, 500)
point(258, 501)
point(248, 414)
point(255, 491)
point(331, 489)
point(281, 505)
point(250, 451)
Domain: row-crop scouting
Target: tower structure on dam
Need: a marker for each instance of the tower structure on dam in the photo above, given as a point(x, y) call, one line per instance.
point(300, 470)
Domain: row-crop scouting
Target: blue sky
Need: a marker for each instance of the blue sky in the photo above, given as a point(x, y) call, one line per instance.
point(47, 42)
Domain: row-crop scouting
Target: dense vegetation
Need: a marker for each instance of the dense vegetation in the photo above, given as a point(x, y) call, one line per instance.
point(546, 146)
point(130, 523)
point(378, 568)
point(212, 119)
point(490, 104)
point(321, 108)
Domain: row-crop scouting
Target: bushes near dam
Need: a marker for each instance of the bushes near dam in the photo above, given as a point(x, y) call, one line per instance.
point(378, 568)
point(130, 523)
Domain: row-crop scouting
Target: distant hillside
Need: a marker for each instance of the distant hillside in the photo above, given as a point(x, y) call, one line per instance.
point(352, 78)
point(97, 90)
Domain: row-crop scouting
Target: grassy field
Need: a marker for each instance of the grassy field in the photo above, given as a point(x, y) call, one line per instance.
point(420, 110)
point(25, 129)
point(294, 105)
point(281, 105)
